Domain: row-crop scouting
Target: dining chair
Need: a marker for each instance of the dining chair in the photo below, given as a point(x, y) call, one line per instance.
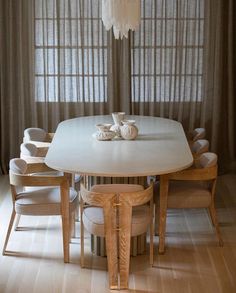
point(37, 134)
point(194, 188)
point(199, 147)
point(197, 133)
point(33, 154)
point(43, 196)
point(117, 212)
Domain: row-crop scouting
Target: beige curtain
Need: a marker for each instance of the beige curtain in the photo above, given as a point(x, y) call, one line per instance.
point(219, 107)
point(17, 106)
point(57, 62)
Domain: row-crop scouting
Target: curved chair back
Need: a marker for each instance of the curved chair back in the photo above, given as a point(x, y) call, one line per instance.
point(198, 133)
point(200, 146)
point(34, 134)
point(31, 153)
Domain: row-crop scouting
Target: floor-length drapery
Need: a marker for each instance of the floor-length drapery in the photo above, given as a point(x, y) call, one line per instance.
point(17, 106)
point(218, 112)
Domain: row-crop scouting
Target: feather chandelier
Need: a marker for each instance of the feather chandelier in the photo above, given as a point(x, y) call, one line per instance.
point(122, 15)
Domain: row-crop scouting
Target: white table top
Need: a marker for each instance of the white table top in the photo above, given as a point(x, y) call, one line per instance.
point(160, 148)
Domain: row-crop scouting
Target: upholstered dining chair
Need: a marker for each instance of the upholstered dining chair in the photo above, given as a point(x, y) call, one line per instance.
point(199, 147)
point(111, 209)
point(33, 154)
point(197, 133)
point(43, 197)
point(195, 188)
point(37, 135)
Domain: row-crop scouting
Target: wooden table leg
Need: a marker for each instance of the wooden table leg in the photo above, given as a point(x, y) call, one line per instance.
point(65, 214)
point(163, 210)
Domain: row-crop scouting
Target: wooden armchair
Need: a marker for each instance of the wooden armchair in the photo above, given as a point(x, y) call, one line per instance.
point(195, 188)
point(38, 136)
point(31, 153)
point(43, 196)
point(197, 133)
point(199, 147)
point(117, 212)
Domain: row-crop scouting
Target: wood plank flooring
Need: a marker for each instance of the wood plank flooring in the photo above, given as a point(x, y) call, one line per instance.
point(193, 261)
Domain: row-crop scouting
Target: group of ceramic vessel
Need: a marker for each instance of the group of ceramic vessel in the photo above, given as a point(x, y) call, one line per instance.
point(122, 128)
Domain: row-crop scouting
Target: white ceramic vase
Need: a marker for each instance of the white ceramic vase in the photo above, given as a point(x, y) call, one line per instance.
point(117, 118)
point(129, 130)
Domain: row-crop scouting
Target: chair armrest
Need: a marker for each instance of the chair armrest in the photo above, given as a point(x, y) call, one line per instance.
point(33, 160)
point(195, 174)
point(28, 180)
point(36, 167)
point(49, 137)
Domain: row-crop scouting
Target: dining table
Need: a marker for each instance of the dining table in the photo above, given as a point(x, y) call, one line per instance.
point(160, 148)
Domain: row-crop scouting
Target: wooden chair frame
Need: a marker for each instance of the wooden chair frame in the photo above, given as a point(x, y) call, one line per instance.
point(192, 174)
point(117, 206)
point(28, 180)
point(107, 203)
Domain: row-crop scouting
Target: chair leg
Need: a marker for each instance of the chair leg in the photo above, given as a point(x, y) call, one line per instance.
point(77, 214)
point(17, 222)
point(13, 214)
point(157, 218)
point(81, 235)
point(72, 225)
point(151, 242)
point(164, 184)
point(211, 216)
point(152, 219)
point(215, 221)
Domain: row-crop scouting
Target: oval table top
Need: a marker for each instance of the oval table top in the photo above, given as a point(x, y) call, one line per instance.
point(160, 148)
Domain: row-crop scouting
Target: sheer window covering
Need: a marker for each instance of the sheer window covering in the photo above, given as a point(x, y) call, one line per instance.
point(167, 52)
point(70, 51)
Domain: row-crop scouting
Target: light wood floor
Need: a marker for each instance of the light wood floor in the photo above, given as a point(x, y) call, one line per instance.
point(193, 262)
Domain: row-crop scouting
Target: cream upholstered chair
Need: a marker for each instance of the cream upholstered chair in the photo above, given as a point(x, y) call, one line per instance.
point(37, 135)
point(31, 153)
point(43, 196)
point(197, 133)
point(195, 188)
point(113, 207)
point(199, 147)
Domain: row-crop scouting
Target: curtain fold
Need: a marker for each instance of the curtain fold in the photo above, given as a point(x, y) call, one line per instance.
point(57, 62)
point(17, 75)
point(219, 107)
